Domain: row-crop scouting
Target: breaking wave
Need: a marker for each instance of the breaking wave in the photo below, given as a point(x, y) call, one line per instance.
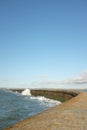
point(26, 92)
point(43, 99)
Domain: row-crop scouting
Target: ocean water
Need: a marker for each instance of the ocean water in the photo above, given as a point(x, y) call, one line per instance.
point(16, 106)
point(84, 90)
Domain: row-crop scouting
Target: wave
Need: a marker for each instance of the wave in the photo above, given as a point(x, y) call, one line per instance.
point(26, 92)
point(42, 99)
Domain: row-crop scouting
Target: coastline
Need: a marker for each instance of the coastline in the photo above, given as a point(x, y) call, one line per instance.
point(56, 94)
point(70, 115)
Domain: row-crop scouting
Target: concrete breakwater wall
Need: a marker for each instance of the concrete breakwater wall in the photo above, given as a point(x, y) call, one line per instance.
point(61, 95)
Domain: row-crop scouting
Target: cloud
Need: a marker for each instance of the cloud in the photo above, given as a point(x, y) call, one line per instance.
point(81, 79)
point(78, 81)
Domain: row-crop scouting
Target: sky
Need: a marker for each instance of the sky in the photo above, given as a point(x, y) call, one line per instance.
point(43, 43)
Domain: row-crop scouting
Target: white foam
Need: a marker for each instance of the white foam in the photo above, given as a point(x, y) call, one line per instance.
point(41, 99)
point(26, 92)
point(47, 100)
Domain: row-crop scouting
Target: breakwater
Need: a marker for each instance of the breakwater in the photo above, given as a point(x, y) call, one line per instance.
point(61, 95)
point(70, 115)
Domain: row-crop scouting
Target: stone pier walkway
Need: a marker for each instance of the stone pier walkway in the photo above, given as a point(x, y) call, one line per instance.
point(70, 115)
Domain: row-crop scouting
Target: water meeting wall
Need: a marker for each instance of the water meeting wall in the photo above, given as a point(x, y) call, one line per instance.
point(55, 94)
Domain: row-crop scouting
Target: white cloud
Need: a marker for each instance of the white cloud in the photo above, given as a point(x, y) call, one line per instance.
point(78, 81)
point(81, 79)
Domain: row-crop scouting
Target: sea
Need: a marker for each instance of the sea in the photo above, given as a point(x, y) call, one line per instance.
point(15, 106)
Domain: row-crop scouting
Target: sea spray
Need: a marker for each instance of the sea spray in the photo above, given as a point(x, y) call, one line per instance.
point(41, 99)
point(47, 101)
point(26, 92)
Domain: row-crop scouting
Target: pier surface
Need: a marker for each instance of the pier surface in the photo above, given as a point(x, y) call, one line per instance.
point(70, 115)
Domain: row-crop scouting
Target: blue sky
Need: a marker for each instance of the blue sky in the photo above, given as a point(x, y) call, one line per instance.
point(43, 43)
